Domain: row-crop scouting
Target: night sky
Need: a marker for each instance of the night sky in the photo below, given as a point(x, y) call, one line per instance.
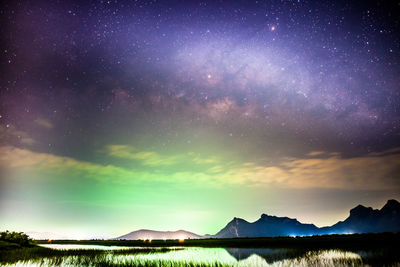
point(122, 115)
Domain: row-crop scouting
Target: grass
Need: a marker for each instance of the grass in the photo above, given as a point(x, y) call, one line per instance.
point(7, 245)
point(55, 257)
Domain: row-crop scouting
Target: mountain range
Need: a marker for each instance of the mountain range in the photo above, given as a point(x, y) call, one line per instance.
point(368, 220)
point(361, 220)
point(151, 234)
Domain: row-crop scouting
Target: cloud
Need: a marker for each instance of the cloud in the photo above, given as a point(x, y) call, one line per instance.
point(369, 172)
point(18, 159)
point(152, 158)
point(44, 123)
point(48, 166)
point(148, 158)
point(11, 133)
point(315, 153)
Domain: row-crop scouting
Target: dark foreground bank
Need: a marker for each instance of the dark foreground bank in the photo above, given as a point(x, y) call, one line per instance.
point(351, 241)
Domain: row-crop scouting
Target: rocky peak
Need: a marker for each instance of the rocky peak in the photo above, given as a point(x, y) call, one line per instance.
point(360, 211)
point(391, 206)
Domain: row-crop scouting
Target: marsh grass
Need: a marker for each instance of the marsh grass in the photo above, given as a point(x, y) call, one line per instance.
point(199, 257)
point(325, 258)
point(56, 257)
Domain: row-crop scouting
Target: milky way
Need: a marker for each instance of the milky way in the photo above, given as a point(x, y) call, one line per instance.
point(131, 100)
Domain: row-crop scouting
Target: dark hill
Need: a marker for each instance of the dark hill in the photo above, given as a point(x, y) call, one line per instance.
point(266, 226)
point(368, 220)
point(361, 220)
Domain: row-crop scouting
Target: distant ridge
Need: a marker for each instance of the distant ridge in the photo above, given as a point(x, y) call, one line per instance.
point(360, 220)
point(266, 226)
point(151, 234)
point(368, 220)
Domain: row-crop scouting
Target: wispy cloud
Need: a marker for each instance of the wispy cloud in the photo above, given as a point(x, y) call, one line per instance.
point(13, 158)
point(315, 153)
point(152, 158)
point(44, 123)
point(149, 158)
point(370, 172)
point(11, 134)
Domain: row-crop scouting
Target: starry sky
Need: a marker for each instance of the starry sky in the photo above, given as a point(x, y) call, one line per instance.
point(122, 115)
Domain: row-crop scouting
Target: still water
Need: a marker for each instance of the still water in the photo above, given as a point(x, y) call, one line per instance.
point(57, 246)
point(221, 257)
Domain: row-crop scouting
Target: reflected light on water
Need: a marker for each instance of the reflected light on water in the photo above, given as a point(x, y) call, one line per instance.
point(208, 257)
point(68, 246)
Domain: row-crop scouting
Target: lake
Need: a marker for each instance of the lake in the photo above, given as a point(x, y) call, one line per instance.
point(209, 257)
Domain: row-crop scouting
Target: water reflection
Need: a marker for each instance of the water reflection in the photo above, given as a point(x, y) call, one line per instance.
point(221, 257)
point(242, 257)
point(269, 255)
point(70, 246)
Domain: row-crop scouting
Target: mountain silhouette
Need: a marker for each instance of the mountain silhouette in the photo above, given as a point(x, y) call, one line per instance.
point(266, 226)
point(151, 234)
point(368, 220)
point(361, 220)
